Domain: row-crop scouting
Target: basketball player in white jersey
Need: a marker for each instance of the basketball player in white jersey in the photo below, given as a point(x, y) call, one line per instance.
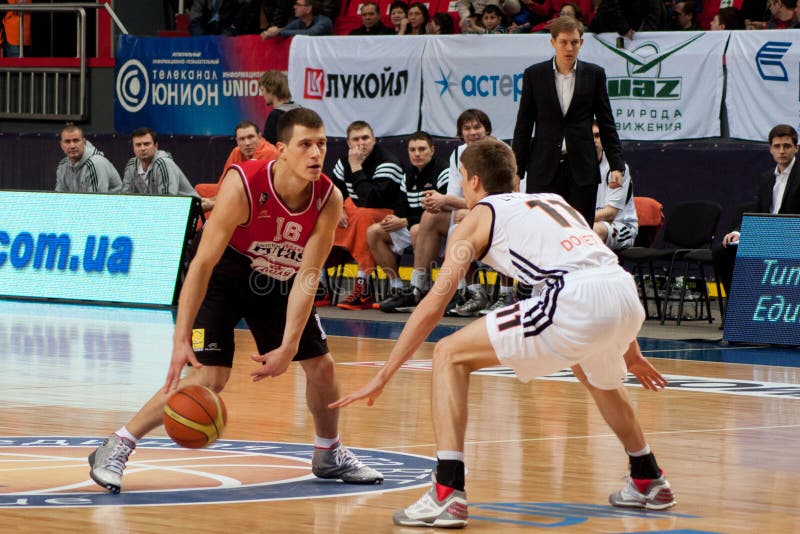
point(259, 259)
point(615, 219)
point(585, 313)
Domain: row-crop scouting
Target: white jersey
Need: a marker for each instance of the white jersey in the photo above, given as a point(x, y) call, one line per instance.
point(538, 237)
point(620, 198)
point(454, 185)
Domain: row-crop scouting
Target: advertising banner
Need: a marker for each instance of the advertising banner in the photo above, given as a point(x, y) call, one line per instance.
point(764, 304)
point(375, 79)
point(93, 247)
point(663, 86)
point(197, 85)
point(484, 72)
point(762, 67)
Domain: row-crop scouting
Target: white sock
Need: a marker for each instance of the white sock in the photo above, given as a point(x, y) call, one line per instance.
point(396, 283)
point(125, 433)
point(475, 288)
point(461, 284)
point(325, 443)
point(361, 274)
point(505, 290)
point(643, 452)
point(419, 279)
point(450, 455)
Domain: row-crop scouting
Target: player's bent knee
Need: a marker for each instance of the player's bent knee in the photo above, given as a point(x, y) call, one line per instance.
point(213, 377)
point(320, 370)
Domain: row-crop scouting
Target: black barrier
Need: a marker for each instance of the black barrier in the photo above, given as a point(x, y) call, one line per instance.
point(114, 249)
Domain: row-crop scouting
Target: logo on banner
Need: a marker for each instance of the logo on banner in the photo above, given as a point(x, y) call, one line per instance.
point(314, 87)
point(482, 85)
point(133, 86)
point(768, 61)
point(644, 80)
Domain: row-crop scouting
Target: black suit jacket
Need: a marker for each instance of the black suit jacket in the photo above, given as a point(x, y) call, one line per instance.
point(539, 106)
point(790, 204)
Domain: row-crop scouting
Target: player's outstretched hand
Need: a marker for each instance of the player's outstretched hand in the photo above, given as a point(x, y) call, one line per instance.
point(182, 354)
point(370, 391)
point(274, 363)
point(647, 375)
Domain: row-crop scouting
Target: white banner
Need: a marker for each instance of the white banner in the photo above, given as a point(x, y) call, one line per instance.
point(477, 71)
point(663, 86)
point(763, 82)
point(375, 79)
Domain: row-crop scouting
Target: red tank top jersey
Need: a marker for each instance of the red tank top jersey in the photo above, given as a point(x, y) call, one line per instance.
point(274, 237)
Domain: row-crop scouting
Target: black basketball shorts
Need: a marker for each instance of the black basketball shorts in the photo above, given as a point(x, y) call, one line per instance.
point(261, 301)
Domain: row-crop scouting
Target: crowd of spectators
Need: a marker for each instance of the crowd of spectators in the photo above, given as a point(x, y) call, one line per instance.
point(351, 17)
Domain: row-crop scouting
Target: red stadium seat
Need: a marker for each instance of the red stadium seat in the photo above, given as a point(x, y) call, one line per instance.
point(345, 24)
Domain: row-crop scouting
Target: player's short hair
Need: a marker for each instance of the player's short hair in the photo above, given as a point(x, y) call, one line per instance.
point(491, 8)
point(420, 136)
point(359, 125)
point(71, 127)
point(494, 164)
point(141, 132)
point(276, 83)
point(246, 124)
point(373, 4)
point(565, 24)
point(399, 4)
point(731, 18)
point(297, 117)
point(473, 115)
point(783, 130)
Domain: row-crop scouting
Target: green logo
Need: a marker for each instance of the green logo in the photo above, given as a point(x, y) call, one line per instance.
point(644, 80)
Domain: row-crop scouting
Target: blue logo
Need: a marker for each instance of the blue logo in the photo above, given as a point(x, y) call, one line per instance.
point(768, 61)
point(227, 471)
point(482, 85)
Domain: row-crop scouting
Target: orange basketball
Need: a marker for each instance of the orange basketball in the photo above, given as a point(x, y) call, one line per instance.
point(195, 417)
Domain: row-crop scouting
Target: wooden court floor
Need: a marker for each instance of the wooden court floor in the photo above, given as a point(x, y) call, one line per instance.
point(539, 456)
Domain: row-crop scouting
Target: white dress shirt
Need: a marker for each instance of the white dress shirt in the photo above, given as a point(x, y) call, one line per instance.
point(565, 87)
point(780, 186)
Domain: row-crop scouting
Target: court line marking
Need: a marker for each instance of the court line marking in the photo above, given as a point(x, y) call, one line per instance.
point(611, 435)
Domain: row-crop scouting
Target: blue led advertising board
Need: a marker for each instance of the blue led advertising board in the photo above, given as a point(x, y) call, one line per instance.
point(92, 247)
point(764, 304)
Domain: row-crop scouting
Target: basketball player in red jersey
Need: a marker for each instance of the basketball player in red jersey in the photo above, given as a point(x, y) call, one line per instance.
point(259, 259)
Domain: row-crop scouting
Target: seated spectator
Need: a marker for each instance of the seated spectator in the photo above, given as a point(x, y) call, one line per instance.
point(9, 26)
point(473, 25)
point(371, 18)
point(84, 169)
point(727, 18)
point(217, 17)
point(249, 145)
point(417, 20)
point(783, 14)
point(552, 9)
point(628, 16)
point(274, 87)
point(152, 171)
point(471, 7)
point(492, 20)
point(778, 192)
point(372, 182)
point(392, 235)
point(266, 13)
point(441, 24)
point(615, 218)
point(398, 12)
point(308, 21)
point(568, 9)
point(683, 16)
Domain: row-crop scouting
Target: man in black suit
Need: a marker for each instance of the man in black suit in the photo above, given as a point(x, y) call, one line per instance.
point(561, 97)
point(778, 192)
point(371, 17)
